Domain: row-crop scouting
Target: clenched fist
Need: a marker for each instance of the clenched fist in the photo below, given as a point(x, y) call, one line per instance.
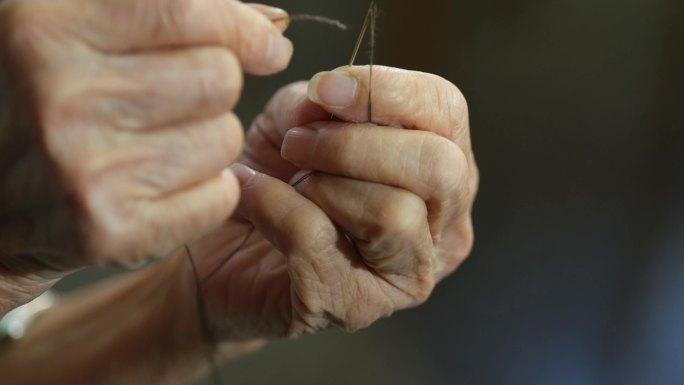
point(117, 124)
point(385, 215)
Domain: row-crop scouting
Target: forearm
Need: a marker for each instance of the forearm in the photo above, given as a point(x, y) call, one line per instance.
point(121, 332)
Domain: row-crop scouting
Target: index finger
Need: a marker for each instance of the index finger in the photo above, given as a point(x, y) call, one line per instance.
point(399, 98)
point(135, 25)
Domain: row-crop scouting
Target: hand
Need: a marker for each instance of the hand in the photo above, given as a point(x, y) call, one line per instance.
point(385, 215)
point(116, 123)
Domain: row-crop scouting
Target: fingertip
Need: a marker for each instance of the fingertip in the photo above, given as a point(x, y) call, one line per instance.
point(278, 54)
point(241, 172)
point(279, 17)
point(264, 50)
point(231, 186)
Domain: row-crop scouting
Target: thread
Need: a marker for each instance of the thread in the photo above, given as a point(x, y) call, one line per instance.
point(203, 315)
point(319, 19)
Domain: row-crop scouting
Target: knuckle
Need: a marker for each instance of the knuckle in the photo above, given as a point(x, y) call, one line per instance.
point(400, 215)
point(106, 236)
point(422, 292)
point(403, 94)
point(453, 96)
point(362, 306)
point(114, 231)
point(422, 278)
point(416, 283)
point(217, 142)
point(407, 93)
point(452, 105)
point(399, 228)
point(170, 20)
point(446, 167)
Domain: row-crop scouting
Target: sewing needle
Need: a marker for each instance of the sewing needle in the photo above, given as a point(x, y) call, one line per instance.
point(362, 34)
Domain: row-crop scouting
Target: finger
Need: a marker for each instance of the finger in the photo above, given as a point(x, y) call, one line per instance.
point(288, 108)
point(182, 156)
point(282, 215)
point(389, 225)
point(426, 164)
point(423, 163)
point(156, 227)
point(135, 25)
point(196, 211)
point(399, 98)
point(330, 284)
point(279, 17)
point(165, 88)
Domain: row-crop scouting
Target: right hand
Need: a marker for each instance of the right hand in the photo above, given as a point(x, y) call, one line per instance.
point(116, 123)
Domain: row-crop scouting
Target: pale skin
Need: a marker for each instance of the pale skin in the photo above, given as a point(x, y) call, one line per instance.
point(129, 123)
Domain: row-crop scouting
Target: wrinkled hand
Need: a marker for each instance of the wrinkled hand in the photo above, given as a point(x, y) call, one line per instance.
point(385, 215)
point(116, 123)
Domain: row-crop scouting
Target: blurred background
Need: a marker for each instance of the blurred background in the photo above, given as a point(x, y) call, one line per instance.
point(577, 276)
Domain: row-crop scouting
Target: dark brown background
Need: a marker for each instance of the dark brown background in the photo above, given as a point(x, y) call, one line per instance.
point(576, 277)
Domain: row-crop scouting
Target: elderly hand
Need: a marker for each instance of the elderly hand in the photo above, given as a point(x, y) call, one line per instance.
point(116, 124)
point(385, 215)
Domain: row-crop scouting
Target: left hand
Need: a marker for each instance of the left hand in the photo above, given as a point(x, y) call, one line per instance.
point(386, 214)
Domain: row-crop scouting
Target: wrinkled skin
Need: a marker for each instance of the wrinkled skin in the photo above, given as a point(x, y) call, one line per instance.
point(116, 137)
point(385, 215)
point(119, 121)
point(116, 126)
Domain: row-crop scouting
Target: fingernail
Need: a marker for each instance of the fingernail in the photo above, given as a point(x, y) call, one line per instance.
point(279, 51)
point(298, 145)
point(283, 23)
point(333, 89)
point(241, 172)
point(279, 17)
